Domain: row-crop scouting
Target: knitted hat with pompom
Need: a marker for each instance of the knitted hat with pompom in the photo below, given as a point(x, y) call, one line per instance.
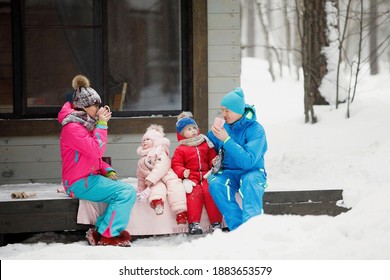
point(84, 96)
point(184, 119)
point(154, 132)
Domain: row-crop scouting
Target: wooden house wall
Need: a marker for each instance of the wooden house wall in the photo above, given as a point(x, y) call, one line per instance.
point(224, 51)
point(37, 158)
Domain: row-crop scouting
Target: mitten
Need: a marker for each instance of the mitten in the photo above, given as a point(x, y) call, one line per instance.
point(144, 195)
point(188, 185)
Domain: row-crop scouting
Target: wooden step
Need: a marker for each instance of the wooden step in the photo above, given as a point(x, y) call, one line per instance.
point(52, 211)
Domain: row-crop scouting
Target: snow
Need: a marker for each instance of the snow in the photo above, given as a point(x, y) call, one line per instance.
point(351, 154)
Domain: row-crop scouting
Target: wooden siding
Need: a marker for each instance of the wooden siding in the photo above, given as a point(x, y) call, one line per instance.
point(224, 51)
point(37, 159)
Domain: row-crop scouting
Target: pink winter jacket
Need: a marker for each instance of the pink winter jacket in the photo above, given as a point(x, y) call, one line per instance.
point(155, 166)
point(81, 150)
point(154, 163)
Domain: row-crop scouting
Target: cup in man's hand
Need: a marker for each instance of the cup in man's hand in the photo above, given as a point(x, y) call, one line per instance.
point(219, 122)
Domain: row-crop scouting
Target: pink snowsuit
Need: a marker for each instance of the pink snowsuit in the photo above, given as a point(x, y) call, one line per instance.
point(155, 166)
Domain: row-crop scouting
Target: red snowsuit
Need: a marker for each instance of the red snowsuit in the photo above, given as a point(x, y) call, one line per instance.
point(198, 160)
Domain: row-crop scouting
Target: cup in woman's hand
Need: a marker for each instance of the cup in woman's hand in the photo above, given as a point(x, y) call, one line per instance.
point(100, 111)
point(107, 108)
point(103, 109)
point(104, 113)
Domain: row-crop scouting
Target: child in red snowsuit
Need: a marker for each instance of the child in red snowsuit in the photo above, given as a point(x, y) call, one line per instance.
point(192, 159)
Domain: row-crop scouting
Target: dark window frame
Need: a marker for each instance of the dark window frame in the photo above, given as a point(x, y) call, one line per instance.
point(197, 80)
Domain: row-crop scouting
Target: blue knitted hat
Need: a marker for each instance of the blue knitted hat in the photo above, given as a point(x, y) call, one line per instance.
point(234, 101)
point(183, 122)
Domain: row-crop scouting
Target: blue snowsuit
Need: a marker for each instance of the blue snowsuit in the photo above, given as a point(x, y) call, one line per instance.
point(242, 170)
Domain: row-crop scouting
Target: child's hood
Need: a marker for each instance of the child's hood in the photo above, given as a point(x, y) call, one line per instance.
point(159, 145)
point(162, 142)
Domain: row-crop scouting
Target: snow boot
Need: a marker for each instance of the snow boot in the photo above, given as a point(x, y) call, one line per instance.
point(215, 226)
point(194, 228)
point(122, 240)
point(181, 218)
point(92, 236)
point(158, 206)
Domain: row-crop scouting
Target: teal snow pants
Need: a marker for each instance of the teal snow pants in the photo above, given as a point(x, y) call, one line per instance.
point(119, 196)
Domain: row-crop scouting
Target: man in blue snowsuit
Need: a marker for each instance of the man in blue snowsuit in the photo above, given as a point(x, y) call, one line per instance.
point(244, 144)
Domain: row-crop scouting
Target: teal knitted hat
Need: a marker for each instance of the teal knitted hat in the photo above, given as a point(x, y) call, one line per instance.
point(234, 101)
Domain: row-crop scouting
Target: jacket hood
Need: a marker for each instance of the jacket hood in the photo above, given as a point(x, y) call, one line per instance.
point(250, 109)
point(249, 115)
point(162, 142)
point(159, 145)
point(65, 111)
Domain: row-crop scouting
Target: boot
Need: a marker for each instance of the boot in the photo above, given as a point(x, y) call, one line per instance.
point(158, 206)
point(92, 236)
point(122, 240)
point(181, 218)
point(194, 228)
point(215, 226)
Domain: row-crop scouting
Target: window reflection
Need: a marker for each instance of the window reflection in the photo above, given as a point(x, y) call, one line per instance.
point(144, 53)
point(60, 41)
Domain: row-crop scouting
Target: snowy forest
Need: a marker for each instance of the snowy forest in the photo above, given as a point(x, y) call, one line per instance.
point(329, 39)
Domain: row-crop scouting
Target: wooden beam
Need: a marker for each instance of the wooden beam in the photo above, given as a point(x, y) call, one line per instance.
point(200, 64)
point(45, 127)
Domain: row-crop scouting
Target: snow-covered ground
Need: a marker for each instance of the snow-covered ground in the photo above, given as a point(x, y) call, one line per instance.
point(352, 154)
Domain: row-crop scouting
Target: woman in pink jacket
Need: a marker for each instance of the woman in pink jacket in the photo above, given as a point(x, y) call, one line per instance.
point(156, 179)
point(84, 174)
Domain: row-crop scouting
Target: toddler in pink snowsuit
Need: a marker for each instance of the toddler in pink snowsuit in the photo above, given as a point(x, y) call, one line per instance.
point(156, 179)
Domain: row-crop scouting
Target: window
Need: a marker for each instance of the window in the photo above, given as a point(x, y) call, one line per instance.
point(134, 53)
point(154, 49)
point(61, 39)
point(6, 74)
point(144, 59)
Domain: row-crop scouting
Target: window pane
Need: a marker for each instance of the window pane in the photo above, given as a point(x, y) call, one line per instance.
point(53, 57)
point(58, 12)
point(60, 42)
point(144, 52)
point(6, 76)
